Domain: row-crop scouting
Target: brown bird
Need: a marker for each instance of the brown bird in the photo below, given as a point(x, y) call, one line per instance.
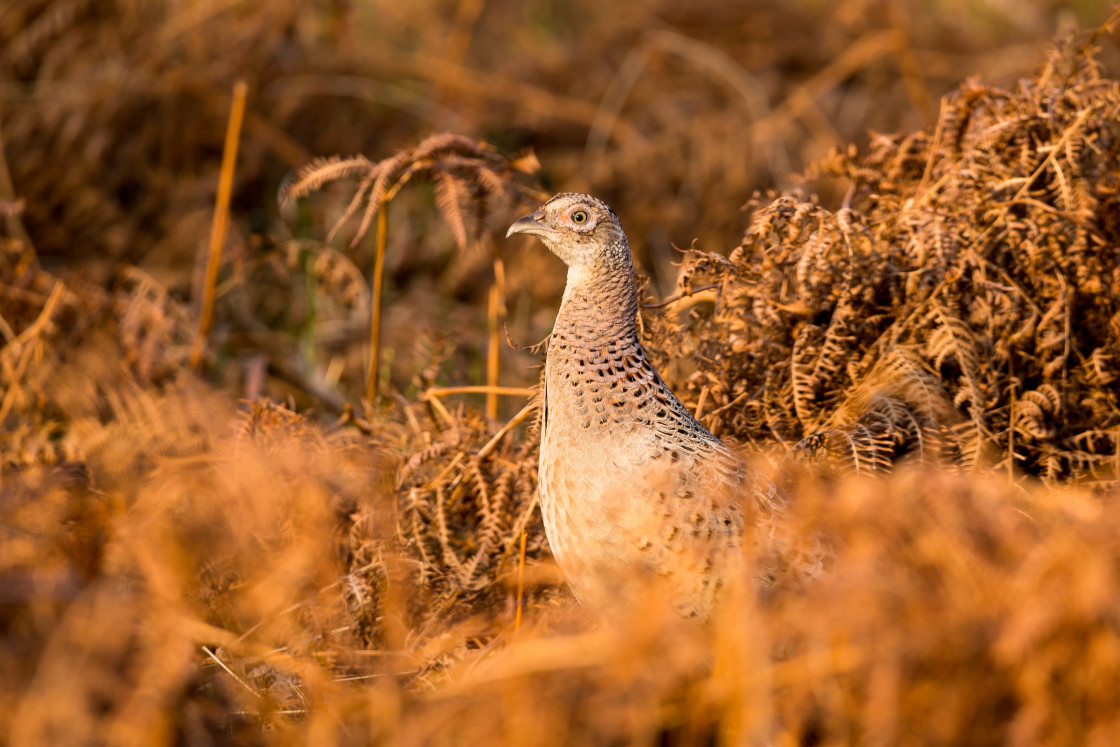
point(631, 484)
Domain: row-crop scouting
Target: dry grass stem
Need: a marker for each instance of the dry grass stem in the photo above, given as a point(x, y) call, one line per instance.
point(373, 378)
point(220, 222)
point(921, 345)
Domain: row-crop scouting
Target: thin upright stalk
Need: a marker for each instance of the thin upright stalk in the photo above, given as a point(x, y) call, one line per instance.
point(520, 583)
point(1011, 433)
point(220, 223)
point(375, 310)
point(495, 310)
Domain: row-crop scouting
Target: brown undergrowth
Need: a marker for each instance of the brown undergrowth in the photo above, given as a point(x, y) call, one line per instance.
point(178, 565)
point(963, 304)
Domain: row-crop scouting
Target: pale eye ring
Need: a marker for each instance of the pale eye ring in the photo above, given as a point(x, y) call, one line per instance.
point(579, 217)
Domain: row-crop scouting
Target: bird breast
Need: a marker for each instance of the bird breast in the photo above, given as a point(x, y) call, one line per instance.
point(630, 484)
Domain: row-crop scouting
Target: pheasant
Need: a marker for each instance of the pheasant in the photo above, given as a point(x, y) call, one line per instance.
point(631, 484)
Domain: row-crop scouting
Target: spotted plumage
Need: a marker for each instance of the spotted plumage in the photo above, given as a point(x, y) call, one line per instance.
point(631, 484)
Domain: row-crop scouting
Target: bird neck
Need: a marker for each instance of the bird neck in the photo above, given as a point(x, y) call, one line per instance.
point(600, 306)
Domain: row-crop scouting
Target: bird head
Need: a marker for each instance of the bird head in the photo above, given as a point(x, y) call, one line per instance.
point(581, 230)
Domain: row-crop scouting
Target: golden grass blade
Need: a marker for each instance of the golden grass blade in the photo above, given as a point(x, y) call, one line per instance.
point(220, 222)
point(520, 583)
point(511, 391)
point(492, 352)
point(206, 650)
point(513, 423)
point(27, 340)
point(375, 304)
point(495, 319)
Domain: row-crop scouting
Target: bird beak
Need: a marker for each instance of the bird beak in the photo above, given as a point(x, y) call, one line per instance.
point(530, 224)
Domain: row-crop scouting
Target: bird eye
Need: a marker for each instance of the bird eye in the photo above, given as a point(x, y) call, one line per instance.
point(579, 217)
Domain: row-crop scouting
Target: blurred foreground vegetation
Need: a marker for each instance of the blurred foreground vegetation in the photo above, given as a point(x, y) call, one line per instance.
point(919, 337)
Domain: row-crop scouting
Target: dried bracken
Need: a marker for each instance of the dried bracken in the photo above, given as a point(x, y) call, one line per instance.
point(467, 173)
point(967, 298)
point(463, 512)
point(468, 176)
point(252, 554)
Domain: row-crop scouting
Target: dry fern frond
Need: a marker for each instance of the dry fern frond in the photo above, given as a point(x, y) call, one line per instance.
point(466, 171)
point(987, 250)
point(320, 172)
point(464, 514)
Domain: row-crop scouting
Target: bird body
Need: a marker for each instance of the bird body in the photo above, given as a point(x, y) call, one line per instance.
point(631, 484)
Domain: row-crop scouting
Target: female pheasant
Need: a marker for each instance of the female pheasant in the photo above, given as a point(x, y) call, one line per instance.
point(631, 485)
